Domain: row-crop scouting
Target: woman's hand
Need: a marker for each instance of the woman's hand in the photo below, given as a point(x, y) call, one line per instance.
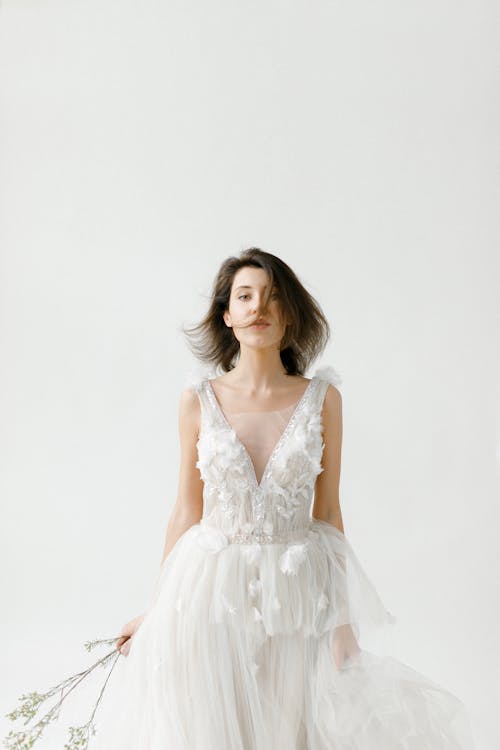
point(345, 645)
point(127, 633)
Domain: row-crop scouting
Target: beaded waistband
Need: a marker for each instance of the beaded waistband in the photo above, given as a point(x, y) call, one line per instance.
point(257, 536)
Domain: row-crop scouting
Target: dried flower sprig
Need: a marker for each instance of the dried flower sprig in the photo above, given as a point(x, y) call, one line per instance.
point(78, 736)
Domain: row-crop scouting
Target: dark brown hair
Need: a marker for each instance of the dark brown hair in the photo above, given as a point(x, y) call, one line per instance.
point(307, 330)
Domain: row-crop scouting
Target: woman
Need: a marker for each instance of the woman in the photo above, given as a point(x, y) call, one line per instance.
point(255, 636)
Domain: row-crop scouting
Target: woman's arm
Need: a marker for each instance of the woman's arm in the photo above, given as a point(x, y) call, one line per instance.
point(327, 507)
point(188, 508)
point(326, 492)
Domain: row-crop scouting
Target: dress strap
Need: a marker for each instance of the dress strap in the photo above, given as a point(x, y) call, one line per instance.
point(197, 375)
point(196, 379)
point(324, 376)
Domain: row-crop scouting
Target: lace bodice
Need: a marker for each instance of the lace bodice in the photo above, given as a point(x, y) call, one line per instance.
point(276, 507)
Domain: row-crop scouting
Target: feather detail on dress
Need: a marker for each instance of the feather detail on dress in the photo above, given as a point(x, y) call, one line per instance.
point(294, 555)
point(327, 372)
point(198, 373)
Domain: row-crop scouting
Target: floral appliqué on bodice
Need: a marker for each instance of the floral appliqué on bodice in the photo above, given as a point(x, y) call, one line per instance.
point(277, 510)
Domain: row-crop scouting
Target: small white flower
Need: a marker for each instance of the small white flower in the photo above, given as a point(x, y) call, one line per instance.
point(292, 558)
point(230, 454)
point(323, 601)
point(256, 614)
point(254, 586)
point(211, 539)
point(254, 667)
point(268, 527)
point(228, 605)
point(284, 512)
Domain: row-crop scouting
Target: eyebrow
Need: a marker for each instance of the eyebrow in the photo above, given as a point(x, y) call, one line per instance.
point(247, 286)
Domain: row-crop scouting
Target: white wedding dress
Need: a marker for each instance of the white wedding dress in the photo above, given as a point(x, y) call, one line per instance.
point(236, 650)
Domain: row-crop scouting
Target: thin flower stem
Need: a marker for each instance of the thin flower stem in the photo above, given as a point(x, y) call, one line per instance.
point(82, 675)
point(24, 740)
point(103, 688)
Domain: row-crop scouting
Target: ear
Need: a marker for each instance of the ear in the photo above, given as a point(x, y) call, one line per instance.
point(227, 318)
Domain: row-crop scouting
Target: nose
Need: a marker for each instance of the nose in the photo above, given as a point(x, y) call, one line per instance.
point(259, 312)
point(258, 305)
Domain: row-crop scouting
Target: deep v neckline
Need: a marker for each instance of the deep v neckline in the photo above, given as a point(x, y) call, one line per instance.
point(298, 408)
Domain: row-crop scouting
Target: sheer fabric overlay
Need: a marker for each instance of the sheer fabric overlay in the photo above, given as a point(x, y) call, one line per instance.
point(259, 432)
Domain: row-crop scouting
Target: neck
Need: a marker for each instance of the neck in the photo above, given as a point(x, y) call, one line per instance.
point(259, 369)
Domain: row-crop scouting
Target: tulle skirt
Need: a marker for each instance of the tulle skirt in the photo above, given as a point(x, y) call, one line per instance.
point(236, 653)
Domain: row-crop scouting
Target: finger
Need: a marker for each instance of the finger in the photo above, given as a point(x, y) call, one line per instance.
point(122, 639)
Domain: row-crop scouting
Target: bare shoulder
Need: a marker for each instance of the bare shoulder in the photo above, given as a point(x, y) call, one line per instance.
point(333, 395)
point(189, 398)
point(332, 405)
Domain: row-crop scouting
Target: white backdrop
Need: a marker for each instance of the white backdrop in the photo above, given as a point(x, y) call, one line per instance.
point(143, 143)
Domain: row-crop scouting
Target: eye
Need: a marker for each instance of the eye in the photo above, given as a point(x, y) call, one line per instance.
point(274, 295)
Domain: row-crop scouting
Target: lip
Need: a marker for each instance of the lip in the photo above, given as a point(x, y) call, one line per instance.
point(260, 325)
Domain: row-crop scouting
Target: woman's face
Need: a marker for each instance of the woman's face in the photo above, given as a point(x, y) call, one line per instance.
point(246, 310)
